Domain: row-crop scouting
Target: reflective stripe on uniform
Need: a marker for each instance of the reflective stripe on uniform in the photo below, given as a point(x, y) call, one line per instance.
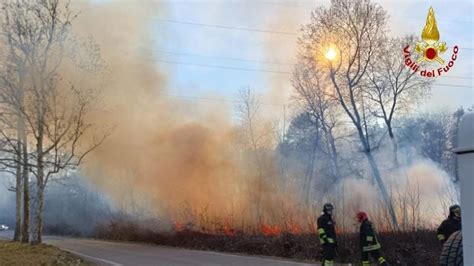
point(366, 263)
point(381, 260)
point(370, 238)
point(328, 263)
point(330, 240)
point(440, 237)
point(322, 235)
point(371, 247)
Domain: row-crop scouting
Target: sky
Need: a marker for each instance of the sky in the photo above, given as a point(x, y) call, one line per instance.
point(211, 49)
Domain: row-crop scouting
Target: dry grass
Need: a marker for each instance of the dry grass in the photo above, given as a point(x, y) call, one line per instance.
point(12, 253)
point(417, 248)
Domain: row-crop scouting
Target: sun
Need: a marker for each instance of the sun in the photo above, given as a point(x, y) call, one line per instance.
point(331, 54)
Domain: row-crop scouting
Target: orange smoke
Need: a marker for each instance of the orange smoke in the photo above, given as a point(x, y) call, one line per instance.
point(167, 157)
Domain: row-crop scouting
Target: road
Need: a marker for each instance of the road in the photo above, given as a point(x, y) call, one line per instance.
point(117, 253)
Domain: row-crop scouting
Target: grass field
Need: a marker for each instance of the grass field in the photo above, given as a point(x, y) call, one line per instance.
point(12, 253)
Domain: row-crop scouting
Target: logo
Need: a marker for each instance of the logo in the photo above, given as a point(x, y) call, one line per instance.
point(430, 50)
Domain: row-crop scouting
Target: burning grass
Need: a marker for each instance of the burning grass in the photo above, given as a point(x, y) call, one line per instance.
point(402, 248)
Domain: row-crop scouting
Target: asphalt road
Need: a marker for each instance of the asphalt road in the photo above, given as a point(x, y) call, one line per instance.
point(116, 253)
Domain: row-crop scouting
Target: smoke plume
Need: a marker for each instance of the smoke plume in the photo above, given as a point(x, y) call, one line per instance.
point(167, 155)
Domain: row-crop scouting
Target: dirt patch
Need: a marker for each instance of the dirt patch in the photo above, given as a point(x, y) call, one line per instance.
point(12, 253)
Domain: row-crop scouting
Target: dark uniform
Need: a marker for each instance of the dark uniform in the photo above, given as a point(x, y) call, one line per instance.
point(327, 235)
point(370, 244)
point(450, 225)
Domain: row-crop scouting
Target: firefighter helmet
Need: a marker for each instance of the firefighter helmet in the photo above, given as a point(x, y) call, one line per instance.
point(455, 210)
point(361, 216)
point(328, 208)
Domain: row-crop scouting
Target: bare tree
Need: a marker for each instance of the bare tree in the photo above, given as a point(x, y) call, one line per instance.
point(10, 148)
point(314, 94)
point(53, 109)
point(12, 152)
point(248, 107)
point(343, 40)
point(258, 141)
point(301, 146)
point(393, 87)
point(433, 136)
point(12, 78)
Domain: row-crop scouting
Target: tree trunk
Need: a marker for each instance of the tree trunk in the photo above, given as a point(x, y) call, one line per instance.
point(18, 190)
point(309, 177)
point(332, 149)
point(374, 167)
point(25, 231)
point(396, 162)
point(38, 228)
point(383, 190)
point(378, 177)
point(335, 161)
point(310, 167)
point(40, 185)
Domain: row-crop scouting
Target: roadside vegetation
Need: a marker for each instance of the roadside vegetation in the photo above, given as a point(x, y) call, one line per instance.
point(13, 253)
point(400, 248)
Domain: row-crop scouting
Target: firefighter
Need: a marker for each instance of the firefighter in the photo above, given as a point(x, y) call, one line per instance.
point(451, 224)
point(327, 235)
point(369, 243)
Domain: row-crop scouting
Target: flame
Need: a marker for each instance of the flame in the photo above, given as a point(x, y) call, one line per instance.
point(430, 32)
point(293, 228)
point(177, 226)
point(271, 230)
point(228, 230)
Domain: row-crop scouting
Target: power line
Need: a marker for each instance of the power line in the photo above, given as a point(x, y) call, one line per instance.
point(457, 77)
point(189, 97)
point(255, 70)
point(452, 85)
point(224, 26)
point(225, 58)
point(253, 60)
point(221, 67)
point(173, 21)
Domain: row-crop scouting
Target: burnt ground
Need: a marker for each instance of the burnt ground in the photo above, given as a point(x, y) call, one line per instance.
point(399, 248)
